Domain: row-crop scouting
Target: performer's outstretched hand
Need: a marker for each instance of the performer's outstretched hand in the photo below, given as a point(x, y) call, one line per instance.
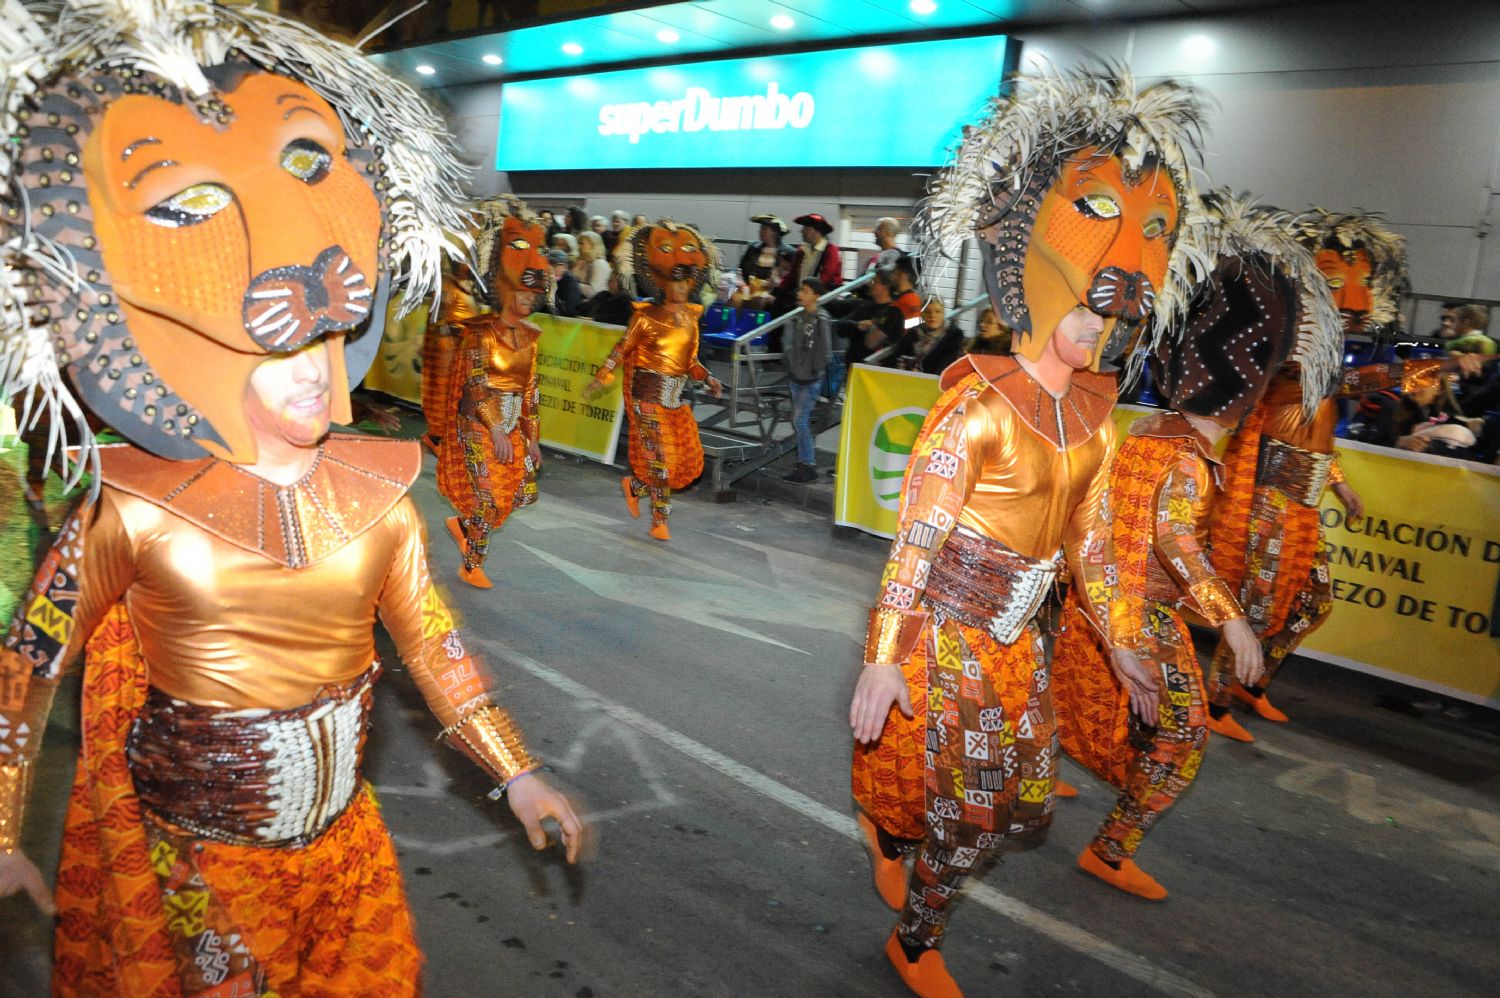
point(18, 873)
point(1354, 506)
point(1139, 683)
point(534, 450)
point(715, 386)
point(879, 686)
point(593, 390)
point(532, 799)
point(503, 450)
point(1249, 660)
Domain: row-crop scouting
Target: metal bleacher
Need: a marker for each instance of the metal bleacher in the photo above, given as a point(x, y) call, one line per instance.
point(740, 434)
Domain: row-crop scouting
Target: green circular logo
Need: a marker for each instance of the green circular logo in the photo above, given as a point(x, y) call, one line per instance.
point(890, 448)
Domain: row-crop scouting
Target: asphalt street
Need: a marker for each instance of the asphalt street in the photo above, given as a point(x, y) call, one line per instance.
point(693, 697)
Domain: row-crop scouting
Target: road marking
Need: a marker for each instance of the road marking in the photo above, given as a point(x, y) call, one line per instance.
point(1056, 929)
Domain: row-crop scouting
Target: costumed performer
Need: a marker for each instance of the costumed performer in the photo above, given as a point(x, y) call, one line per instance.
point(1264, 302)
point(1266, 531)
point(204, 209)
point(461, 299)
point(659, 356)
point(1076, 185)
point(489, 458)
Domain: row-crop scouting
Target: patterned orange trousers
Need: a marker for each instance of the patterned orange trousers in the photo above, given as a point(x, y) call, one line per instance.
point(1152, 766)
point(666, 453)
point(146, 913)
point(483, 489)
point(1287, 591)
point(976, 763)
point(439, 354)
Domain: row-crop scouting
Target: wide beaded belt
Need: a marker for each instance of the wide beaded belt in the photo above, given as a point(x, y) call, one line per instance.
point(501, 410)
point(653, 386)
point(251, 777)
point(982, 583)
point(1298, 474)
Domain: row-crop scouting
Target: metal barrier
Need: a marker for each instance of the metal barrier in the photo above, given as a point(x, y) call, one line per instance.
point(744, 358)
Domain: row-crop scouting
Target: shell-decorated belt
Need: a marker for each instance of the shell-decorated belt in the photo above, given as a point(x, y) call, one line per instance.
point(980, 582)
point(251, 777)
point(663, 389)
point(1300, 475)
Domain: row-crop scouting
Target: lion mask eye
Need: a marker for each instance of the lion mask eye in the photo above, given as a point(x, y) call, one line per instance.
point(306, 160)
point(197, 203)
point(1100, 206)
point(518, 244)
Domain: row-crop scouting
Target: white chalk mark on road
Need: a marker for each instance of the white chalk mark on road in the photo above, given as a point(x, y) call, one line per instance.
point(597, 728)
point(1059, 931)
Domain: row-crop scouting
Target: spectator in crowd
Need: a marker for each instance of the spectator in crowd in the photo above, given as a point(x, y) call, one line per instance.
point(564, 241)
point(904, 274)
point(612, 306)
point(591, 268)
point(934, 343)
point(816, 257)
point(1470, 335)
point(874, 324)
point(991, 336)
point(638, 220)
point(618, 222)
point(809, 347)
point(549, 224)
point(1447, 321)
point(598, 225)
point(766, 262)
point(564, 294)
point(577, 222)
point(886, 231)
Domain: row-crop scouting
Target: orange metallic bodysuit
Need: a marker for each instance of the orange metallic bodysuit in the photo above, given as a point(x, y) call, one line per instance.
point(496, 390)
point(1161, 490)
point(659, 356)
point(1004, 480)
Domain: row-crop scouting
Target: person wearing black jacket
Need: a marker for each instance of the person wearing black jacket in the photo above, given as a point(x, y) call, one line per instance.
point(611, 307)
point(932, 346)
point(873, 324)
point(566, 297)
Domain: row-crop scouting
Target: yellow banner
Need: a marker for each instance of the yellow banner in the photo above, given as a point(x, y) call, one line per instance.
point(1415, 583)
point(883, 410)
point(568, 354)
point(397, 369)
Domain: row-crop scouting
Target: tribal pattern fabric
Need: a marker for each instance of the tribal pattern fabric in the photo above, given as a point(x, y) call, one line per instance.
point(666, 453)
point(990, 761)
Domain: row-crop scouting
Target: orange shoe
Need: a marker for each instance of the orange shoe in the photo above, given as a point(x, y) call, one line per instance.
point(632, 501)
point(890, 874)
point(1259, 704)
point(475, 577)
point(1229, 728)
point(1129, 878)
point(430, 442)
point(660, 532)
point(927, 977)
point(456, 531)
point(1062, 788)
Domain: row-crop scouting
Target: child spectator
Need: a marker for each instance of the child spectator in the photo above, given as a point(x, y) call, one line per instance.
point(809, 347)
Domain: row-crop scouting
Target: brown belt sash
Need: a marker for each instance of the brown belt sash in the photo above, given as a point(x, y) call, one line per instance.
point(1300, 475)
point(663, 389)
point(251, 777)
point(982, 583)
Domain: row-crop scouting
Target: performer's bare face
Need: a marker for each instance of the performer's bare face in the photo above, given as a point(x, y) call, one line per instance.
point(288, 396)
point(1077, 337)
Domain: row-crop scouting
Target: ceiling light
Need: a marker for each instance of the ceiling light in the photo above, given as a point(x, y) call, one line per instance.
point(1199, 47)
point(572, 48)
point(491, 60)
point(667, 36)
point(923, 7)
point(782, 22)
point(425, 69)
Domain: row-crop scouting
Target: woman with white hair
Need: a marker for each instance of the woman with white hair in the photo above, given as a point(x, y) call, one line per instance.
point(591, 268)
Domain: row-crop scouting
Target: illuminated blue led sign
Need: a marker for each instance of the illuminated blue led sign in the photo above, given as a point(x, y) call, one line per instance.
point(884, 105)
